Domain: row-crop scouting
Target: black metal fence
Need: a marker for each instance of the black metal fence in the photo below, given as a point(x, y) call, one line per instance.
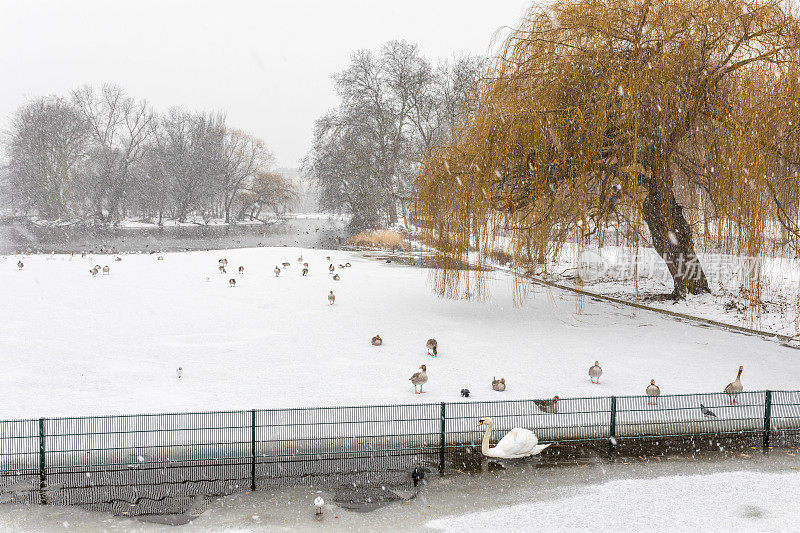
point(168, 463)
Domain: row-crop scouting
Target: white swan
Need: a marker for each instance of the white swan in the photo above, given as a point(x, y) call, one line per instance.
point(517, 443)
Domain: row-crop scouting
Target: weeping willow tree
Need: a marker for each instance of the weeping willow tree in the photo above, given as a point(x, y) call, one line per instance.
point(664, 119)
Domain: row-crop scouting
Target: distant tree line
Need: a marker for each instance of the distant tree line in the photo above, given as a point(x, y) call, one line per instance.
point(394, 106)
point(106, 156)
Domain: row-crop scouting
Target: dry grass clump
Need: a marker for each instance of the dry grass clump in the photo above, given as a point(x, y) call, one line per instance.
point(382, 239)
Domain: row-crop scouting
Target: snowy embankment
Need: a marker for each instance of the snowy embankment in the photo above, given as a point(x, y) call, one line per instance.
point(81, 345)
point(714, 502)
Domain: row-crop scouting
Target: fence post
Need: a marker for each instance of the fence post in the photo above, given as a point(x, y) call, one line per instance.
point(42, 465)
point(767, 417)
point(253, 449)
point(441, 442)
point(612, 432)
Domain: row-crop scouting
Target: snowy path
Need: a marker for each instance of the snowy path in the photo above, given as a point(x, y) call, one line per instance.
point(77, 345)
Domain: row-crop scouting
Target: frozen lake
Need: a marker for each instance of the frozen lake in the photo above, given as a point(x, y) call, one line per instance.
point(738, 489)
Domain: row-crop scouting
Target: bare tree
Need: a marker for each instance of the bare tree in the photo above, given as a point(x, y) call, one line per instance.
point(119, 128)
point(242, 157)
point(48, 141)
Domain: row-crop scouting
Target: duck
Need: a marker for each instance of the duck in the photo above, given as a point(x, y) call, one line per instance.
point(376, 340)
point(347, 265)
point(300, 259)
point(735, 387)
point(419, 379)
point(547, 406)
point(515, 444)
point(285, 264)
point(595, 372)
point(20, 264)
point(118, 258)
point(432, 345)
point(277, 271)
point(465, 393)
point(653, 391)
point(417, 475)
point(499, 384)
point(331, 297)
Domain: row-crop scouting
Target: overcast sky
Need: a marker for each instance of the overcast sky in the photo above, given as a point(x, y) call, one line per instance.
point(266, 64)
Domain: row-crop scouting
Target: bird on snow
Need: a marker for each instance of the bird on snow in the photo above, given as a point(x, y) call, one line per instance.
point(595, 372)
point(341, 266)
point(499, 384)
point(222, 269)
point(708, 413)
point(118, 258)
point(331, 297)
point(300, 259)
point(376, 340)
point(94, 271)
point(347, 265)
point(419, 379)
point(319, 503)
point(179, 371)
point(277, 271)
point(735, 387)
point(106, 270)
point(160, 258)
point(305, 265)
point(331, 268)
point(432, 345)
point(465, 393)
point(20, 264)
point(241, 270)
point(547, 406)
point(285, 264)
point(336, 277)
point(328, 258)
point(417, 475)
point(652, 391)
point(305, 271)
point(232, 282)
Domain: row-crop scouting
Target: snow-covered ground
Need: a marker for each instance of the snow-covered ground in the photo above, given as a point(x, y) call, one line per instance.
point(80, 345)
point(610, 271)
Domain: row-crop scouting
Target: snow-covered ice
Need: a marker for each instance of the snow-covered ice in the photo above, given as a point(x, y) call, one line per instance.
point(81, 345)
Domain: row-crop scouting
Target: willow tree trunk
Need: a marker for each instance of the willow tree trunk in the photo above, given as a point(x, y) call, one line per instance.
point(672, 239)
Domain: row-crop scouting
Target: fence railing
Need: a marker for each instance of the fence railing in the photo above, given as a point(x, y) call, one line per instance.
point(132, 464)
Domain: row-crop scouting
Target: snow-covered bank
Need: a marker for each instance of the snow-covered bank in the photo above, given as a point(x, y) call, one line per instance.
point(85, 345)
point(712, 502)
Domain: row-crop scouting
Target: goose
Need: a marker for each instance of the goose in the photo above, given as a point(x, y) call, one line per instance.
point(160, 258)
point(223, 261)
point(118, 258)
point(652, 391)
point(241, 270)
point(595, 372)
point(376, 340)
point(106, 270)
point(331, 297)
point(277, 271)
point(285, 265)
point(94, 271)
point(499, 384)
point(305, 271)
point(222, 269)
point(547, 406)
point(20, 264)
point(516, 443)
point(419, 379)
point(179, 372)
point(417, 475)
point(341, 266)
point(300, 259)
point(347, 265)
point(336, 277)
point(83, 254)
point(432, 345)
point(98, 267)
point(305, 265)
point(328, 258)
point(319, 503)
point(232, 282)
point(734, 388)
point(331, 269)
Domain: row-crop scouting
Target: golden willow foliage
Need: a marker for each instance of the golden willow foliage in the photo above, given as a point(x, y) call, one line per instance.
point(670, 121)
